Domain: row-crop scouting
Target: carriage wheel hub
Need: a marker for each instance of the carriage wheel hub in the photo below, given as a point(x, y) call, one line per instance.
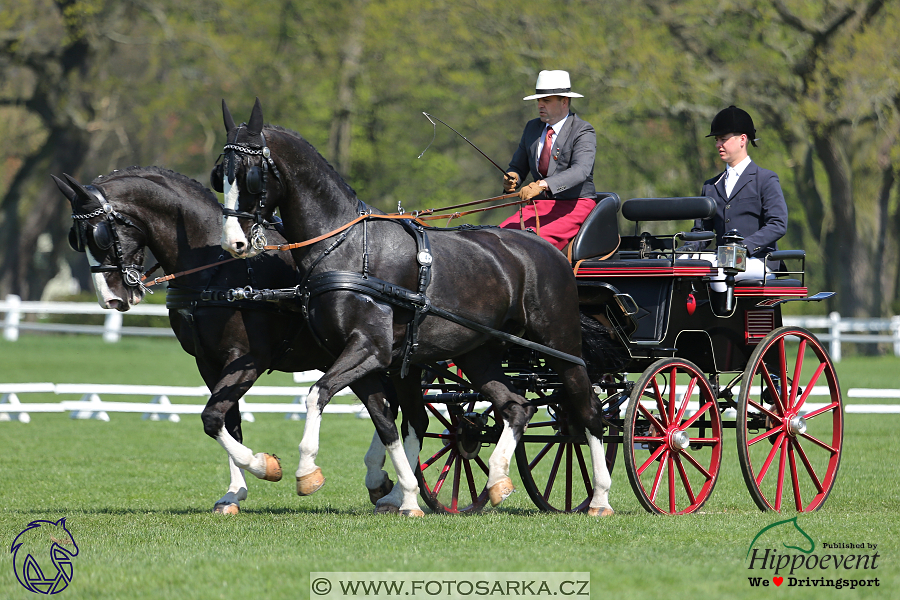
point(679, 440)
point(469, 434)
point(797, 426)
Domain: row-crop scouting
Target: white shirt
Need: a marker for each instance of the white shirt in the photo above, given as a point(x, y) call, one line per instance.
point(732, 174)
point(557, 127)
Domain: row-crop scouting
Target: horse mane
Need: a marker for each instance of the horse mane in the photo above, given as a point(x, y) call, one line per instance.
point(143, 172)
point(313, 150)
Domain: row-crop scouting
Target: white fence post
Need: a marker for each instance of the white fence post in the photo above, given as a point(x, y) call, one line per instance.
point(895, 331)
point(11, 322)
point(835, 330)
point(112, 327)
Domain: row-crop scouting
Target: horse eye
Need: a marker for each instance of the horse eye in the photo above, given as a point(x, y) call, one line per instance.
point(252, 181)
point(101, 235)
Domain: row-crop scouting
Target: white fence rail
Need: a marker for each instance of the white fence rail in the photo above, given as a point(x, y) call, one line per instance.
point(832, 330)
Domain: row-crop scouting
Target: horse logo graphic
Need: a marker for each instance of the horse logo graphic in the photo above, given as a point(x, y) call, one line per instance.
point(32, 545)
point(804, 543)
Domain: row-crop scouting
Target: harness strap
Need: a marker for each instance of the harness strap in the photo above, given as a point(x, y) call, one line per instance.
point(398, 295)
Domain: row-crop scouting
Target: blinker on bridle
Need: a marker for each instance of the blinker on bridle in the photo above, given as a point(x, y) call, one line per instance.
point(255, 182)
point(104, 235)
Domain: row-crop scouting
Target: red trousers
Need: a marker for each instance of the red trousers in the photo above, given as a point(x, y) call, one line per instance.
point(559, 219)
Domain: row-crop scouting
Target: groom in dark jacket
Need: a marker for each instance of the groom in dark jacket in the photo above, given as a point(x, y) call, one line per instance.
point(558, 150)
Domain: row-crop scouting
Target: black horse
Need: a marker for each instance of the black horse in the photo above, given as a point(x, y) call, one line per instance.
point(373, 291)
point(179, 220)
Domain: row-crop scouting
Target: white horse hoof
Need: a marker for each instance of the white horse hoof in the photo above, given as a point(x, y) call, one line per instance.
point(310, 483)
point(601, 512)
point(226, 508)
point(500, 491)
point(412, 512)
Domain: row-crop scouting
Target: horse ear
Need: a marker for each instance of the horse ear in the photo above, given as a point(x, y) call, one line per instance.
point(83, 200)
point(67, 191)
point(254, 127)
point(226, 115)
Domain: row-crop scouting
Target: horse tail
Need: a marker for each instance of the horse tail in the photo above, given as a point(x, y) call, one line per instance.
point(601, 349)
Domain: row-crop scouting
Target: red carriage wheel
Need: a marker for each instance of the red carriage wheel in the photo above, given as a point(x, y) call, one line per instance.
point(554, 462)
point(673, 438)
point(789, 446)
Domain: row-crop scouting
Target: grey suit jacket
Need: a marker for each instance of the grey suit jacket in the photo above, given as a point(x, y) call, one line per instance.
point(756, 209)
point(571, 171)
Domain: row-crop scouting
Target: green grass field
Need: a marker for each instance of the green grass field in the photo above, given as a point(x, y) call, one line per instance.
point(137, 494)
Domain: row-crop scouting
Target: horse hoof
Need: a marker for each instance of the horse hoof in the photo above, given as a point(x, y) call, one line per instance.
point(600, 512)
point(273, 468)
point(412, 512)
point(381, 491)
point(500, 491)
point(228, 508)
point(386, 509)
point(310, 483)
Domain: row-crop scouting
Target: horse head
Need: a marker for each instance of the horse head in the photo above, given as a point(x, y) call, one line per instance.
point(113, 244)
point(249, 179)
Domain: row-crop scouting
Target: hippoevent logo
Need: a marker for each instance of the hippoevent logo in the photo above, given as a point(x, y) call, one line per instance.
point(42, 556)
point(784, 554)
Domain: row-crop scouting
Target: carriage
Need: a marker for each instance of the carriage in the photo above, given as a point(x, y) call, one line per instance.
point(687, 363)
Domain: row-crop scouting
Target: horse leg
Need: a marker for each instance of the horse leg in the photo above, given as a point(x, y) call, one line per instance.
point(378, 482)
point(585, 408)
point(482, 367)
point(229, 504)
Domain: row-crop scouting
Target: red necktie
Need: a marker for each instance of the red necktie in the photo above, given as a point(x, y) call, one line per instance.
point(544, 162)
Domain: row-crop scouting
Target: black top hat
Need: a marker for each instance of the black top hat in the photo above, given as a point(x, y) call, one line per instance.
point(733, 120)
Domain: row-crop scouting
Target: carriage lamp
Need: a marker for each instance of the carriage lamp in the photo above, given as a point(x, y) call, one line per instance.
point(732, 259)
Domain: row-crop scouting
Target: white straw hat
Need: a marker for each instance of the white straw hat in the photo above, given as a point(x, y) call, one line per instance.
point(553, 83)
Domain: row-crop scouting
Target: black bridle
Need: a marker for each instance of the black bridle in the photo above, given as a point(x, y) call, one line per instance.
point(105, 236)
point(255, 182)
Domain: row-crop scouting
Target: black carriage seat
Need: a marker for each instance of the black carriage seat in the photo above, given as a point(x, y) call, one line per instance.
point(599, 234)
point(668, 209)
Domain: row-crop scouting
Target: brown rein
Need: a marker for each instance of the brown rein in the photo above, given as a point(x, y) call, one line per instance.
point(414, 216)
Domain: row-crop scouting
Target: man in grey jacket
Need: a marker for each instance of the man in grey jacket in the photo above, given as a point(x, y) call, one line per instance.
point(558, 150)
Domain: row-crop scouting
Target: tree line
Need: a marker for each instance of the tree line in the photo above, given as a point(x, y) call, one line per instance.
point(89, 86)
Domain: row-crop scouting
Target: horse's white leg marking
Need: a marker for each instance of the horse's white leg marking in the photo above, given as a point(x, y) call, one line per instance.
point(498, 463)
point(242, 456)
point(237, 489)
point(309, 445)
point(374, 460)
point(602, 480)
point(405, 493)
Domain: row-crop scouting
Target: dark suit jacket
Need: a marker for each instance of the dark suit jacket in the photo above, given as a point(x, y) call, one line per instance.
point(571, 171)
point(756, 209)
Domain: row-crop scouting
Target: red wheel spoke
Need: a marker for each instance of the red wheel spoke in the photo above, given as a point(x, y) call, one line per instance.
point(443, 476)
point(436, 456)
point(782, 362)
point(670, 467)
point(810, 386)
point(651, 418)
point(765, 435)
point(764, 410)
point(553, 472)
point(470, 479)
point(795, 481)
point(653, 456)
point(659, 471)
point(657, 395)
point(484, 467)
point(806, 436)
point(819, 411)
point(457, 471)
point(687, 396)
point(809, 467)
point(584, 472)
point(779, 485)
point(697, 415)
point(773, 389)
point(440, 417)
point(696, 465)
point(540, 456)
point(684, 480)
point(765, 467)
point(673, 376)
point(798, 368)
point(569, 477)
